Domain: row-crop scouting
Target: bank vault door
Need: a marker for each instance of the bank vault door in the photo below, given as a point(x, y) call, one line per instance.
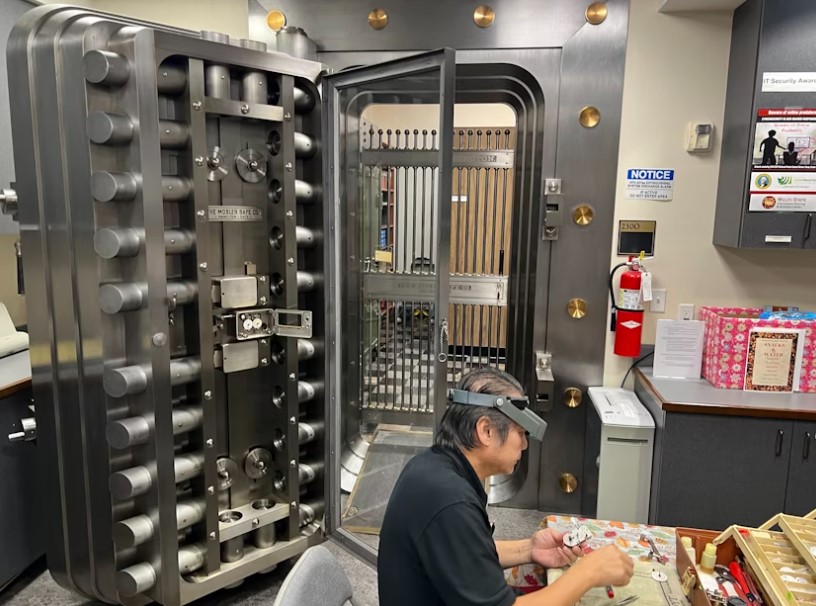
point(387, 304)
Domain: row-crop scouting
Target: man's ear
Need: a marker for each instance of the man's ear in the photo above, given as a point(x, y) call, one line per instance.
point(484, 431)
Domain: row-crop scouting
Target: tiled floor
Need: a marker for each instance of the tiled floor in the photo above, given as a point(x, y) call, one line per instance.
point(36, 588)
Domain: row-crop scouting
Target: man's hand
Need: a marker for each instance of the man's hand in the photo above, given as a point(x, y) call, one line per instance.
point(548, 549)
point(608, 566)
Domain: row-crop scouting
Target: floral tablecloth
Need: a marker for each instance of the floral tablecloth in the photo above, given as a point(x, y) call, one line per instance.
point(530, 577)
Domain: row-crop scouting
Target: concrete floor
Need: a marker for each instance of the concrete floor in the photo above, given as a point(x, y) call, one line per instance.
point(36, 588)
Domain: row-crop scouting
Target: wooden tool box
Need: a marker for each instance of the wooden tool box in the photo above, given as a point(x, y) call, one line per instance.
point(780, 556)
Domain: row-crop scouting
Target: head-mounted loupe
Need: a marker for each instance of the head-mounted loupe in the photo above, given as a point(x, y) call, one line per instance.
point(515, 408)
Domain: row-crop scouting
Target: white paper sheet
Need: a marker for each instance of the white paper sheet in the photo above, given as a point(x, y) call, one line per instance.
point(678, 349)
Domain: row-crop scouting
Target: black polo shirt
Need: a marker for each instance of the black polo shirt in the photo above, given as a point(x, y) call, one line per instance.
point(436, 544)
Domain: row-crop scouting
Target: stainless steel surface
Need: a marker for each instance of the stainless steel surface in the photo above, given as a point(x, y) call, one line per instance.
point(294, 41)
point(8, 202)
point(121, 257)
point(342, 25)
point(356, 324)
point(562, 61)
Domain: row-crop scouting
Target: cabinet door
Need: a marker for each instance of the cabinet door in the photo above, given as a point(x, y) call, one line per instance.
point(801, 494)
point(716, 471)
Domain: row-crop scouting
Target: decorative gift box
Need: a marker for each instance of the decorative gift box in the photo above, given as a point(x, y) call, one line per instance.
point(727, 337)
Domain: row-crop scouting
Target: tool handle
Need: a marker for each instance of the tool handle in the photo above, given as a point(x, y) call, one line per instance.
point(806, 446)
point(780, 436)
point(609, 591)
point(738, 573)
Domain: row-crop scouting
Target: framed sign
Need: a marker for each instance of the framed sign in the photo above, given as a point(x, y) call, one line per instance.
point(774, 360)
point(636, 236)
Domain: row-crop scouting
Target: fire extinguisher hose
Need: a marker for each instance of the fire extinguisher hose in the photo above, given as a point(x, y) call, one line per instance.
point(611, 279)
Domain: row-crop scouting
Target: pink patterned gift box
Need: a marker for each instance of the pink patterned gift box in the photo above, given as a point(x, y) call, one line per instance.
point(726, 345)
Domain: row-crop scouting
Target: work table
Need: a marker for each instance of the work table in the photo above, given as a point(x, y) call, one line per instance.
point(698, 396)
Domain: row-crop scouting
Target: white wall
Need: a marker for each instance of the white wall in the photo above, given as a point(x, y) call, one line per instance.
point(676, 69)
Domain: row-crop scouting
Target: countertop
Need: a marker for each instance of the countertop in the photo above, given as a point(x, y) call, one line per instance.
point(698, 396)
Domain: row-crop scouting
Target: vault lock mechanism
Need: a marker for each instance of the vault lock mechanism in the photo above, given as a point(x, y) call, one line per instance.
point(545, 384)
point(552, 218)
point(266, 322)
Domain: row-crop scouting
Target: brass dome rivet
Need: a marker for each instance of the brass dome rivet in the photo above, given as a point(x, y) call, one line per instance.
point(275, 20)
point(378, 18)
point(577, 308)
point(568, 483)
point(573, 397)
point(483, 16)
point(589, 116)
point(596, 13)
point(583, 215)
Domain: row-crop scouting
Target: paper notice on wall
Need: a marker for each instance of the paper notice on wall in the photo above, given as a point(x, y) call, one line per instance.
point(649, 184)
point(678, 349)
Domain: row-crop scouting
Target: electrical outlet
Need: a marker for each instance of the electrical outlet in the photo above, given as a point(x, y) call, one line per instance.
point(658, 303)
point(685, 311)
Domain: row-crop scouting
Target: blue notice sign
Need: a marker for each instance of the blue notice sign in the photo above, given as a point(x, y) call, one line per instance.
point(649, 184)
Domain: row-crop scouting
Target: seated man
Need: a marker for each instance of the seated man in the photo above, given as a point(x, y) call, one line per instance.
point(436, 544)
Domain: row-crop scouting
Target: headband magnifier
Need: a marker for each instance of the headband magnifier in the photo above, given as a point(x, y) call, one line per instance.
point(516, 408)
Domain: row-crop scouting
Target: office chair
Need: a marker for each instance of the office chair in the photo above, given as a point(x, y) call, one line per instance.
point(316, 580)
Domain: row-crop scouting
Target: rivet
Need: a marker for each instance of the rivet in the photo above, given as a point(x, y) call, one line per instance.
point(572, 397)
point(202, 266)
point(378, 18)
point(210, 489)
point(244, 108)
point(208, 395)
point(568, 483)
point(197, 105)
point(287, 116)
point(292, 376)
point(292, 463)
point(262, 300)
point(199, 161)
point(484, 16)
point(212, 536)
point(275, 20)
point(160, 339)
point(289, 214)
point(293, 504)
point(583, 215)
point(262, 279)
point(201, 214)
point(263, 341)
point(264, 361)
point(288, 166)
point(589, 117)
point(292, 420)
point(596, 13)
point(577, 308)
point(290, 261)
point(256, 522)
point(210, 443)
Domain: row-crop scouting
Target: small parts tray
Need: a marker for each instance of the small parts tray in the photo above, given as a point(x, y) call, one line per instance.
point(783, 561)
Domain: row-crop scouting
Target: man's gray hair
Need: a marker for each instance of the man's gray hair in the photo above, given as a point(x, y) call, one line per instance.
point(457, 429)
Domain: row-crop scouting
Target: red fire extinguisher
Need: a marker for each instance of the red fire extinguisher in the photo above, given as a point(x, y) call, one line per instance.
point(627, 307)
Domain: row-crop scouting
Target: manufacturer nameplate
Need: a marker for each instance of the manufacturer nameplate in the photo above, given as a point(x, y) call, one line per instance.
point(235, 214)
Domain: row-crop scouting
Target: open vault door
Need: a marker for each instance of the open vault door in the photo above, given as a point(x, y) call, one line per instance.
point(388, 289)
